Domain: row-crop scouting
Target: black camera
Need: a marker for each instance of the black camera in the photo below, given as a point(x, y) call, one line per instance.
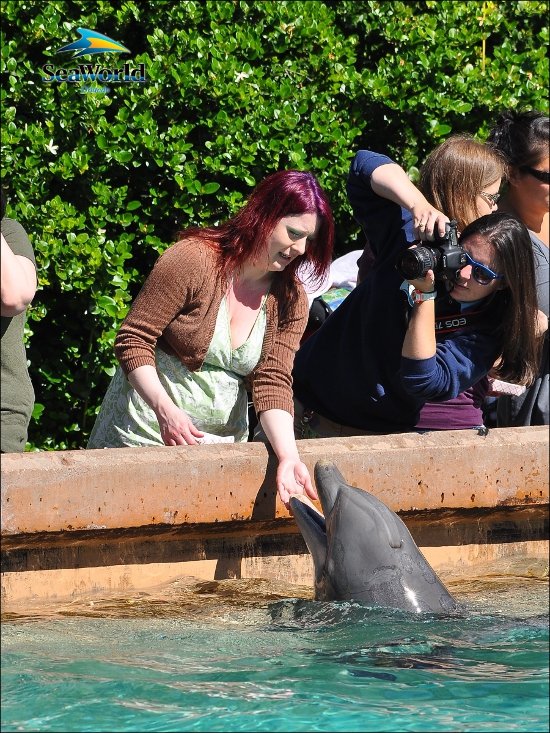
point(445, 257)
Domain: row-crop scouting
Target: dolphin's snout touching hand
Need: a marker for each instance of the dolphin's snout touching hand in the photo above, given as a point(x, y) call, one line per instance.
point(293, 479)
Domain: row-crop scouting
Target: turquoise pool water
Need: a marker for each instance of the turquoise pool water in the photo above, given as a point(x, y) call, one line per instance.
point(232, 661)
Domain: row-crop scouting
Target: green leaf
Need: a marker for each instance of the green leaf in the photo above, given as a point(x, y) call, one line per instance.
point(105, 300)
point(441, 130)
point(38, 409)
point(123, 156)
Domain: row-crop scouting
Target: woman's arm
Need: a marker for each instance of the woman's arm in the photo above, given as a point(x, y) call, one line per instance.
point(272, 393)
point(292, 475)
point(541, 325)
point(420, 340)
point(175, 425)
point(387, 205)
point(271, 381)
point(168, 291)
point(18, 276)
point(391, 182)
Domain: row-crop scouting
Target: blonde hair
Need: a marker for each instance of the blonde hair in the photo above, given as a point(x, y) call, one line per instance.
point(456, 172)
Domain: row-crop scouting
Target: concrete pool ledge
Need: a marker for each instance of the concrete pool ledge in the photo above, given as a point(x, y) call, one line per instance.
point(83, 521)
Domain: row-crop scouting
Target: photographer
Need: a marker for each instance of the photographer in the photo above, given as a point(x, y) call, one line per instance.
point(376, 360)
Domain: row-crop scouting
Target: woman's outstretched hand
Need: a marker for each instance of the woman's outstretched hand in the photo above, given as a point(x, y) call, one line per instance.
point(293, 478)
point(292, 475)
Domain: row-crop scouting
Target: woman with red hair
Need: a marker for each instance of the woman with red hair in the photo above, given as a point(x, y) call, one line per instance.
point(223, 312)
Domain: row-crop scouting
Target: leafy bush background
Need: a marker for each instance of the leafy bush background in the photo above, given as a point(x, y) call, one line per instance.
point(236, 90)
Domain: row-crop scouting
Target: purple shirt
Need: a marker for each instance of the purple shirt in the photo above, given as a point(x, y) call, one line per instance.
point(461, 413)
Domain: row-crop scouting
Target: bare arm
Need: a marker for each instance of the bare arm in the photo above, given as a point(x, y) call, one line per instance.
point(18, 275)
point(292, 475)
point(391, 182)
point(541, 323)
point(175, 425)
point(419, 340)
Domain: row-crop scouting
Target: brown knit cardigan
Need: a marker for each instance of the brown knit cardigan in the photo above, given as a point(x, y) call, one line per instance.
point(177, 308)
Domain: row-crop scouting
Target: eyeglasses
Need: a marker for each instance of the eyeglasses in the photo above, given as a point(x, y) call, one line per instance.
point(493, 197)
point(482, 274)
point(543, 176)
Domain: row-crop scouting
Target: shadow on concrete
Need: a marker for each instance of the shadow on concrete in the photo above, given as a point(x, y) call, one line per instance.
point(266, 498)
point(264, 509)
point(228, 567)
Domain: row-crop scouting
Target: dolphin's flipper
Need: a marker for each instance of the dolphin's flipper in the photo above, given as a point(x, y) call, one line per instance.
point(313, 529)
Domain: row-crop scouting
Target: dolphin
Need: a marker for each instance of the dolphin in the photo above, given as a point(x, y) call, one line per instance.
point(363, 552)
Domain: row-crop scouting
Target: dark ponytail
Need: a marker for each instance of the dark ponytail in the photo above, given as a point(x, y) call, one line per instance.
point(521, 136)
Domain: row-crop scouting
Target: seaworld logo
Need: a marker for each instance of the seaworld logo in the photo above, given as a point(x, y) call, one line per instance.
point(92, 42)
point(89, 43)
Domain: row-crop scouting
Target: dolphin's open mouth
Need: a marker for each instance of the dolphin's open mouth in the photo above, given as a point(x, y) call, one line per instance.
point(314, 531)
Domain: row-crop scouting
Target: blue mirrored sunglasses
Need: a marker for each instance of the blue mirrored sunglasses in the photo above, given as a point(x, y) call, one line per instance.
point(481, 274)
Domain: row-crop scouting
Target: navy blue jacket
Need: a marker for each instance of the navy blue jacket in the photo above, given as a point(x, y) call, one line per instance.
point(351, 369)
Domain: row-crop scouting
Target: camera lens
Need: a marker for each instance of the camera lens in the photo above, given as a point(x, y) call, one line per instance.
point(414, 263)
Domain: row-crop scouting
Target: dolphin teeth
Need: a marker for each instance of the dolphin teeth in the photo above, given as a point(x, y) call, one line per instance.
point(308, 502)
point(313, 528)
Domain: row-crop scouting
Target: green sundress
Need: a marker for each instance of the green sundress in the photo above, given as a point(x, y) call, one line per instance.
point(214, 397)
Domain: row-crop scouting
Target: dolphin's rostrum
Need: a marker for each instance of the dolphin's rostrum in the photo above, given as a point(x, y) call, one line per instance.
point(362, 551)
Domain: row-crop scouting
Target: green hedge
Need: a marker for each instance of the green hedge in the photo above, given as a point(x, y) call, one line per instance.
point(236, 90)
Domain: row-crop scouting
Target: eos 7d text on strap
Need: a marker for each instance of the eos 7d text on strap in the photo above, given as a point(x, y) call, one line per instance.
point(458, 321)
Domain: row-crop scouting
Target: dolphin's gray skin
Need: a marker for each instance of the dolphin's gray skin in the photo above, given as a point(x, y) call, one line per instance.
point(364, 552)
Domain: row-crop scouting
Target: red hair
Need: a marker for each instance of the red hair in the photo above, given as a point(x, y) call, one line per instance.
point(244, 236)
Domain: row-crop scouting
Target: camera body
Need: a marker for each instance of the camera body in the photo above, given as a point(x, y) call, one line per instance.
point(445, 257)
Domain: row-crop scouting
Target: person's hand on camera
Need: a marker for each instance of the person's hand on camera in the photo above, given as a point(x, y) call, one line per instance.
point(391, 182)
point(426, 220)
point(425, 284)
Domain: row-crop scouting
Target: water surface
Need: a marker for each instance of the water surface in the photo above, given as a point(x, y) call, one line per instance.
point(241, 656)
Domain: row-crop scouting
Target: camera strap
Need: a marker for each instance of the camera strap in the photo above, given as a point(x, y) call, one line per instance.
point(448, 316)
point(449, 324)
point(457, 320)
